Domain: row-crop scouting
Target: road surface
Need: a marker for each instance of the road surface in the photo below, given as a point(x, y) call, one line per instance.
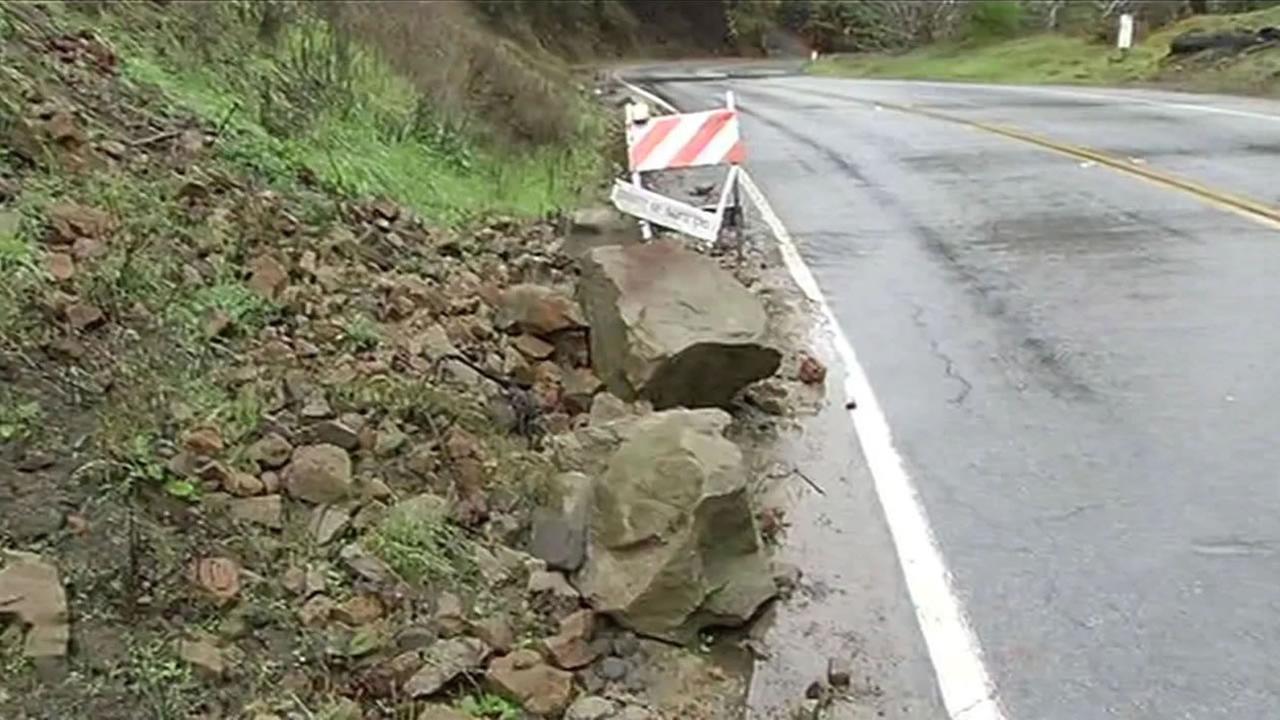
point(1078, 366)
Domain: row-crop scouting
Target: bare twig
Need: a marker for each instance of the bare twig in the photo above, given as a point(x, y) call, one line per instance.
point(816, 487)
point(158, 137)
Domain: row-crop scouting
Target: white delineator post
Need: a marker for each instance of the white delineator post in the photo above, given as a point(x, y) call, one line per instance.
point(637, 113)
point(1124, 38)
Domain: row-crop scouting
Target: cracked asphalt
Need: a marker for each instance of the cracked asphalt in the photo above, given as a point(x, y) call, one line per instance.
point(1077, 365)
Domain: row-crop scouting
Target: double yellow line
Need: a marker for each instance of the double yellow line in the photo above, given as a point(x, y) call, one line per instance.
point(1251, 209)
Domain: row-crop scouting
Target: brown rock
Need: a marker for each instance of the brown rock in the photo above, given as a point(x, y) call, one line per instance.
point(203, 441)
point(449, 617)
point(495, 630)
point(338, 432)
point(444, 661)
point(571, 648)
point(31, 589)
point(265, 510)
point(61, 266)
point(243, 485)
point(216, 324)
point(316, 611)
point(359, 610)
point(328, 521)
point(524, 678)
point(580, 386)
point(204, 656)
point(811, 370)
point(267, 277)
point(270, 482)
point(270, 451)
point(533, 347)
point(64, 128)
point(320, 474)
point(83, 316)
point(72, 220)
point(218, 577)
point(538, 310)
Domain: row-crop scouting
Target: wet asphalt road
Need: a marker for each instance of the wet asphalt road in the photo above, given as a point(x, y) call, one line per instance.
point(1078, 366)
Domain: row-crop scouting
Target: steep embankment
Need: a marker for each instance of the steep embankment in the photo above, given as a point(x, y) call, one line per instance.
point(1067, 59)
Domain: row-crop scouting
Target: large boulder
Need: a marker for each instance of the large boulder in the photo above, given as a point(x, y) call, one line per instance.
point(670, 326)
point(673, 542)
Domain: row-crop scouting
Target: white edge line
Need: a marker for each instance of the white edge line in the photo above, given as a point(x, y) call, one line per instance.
point(963, 681)
point(648, 95)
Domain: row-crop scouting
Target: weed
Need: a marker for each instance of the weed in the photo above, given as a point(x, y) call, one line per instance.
point(424, 547)
point(359, 333)
point(162, 683)
point(488, 705)
point(19, 420)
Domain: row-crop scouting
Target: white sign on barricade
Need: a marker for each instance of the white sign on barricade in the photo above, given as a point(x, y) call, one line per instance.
point(682, 140)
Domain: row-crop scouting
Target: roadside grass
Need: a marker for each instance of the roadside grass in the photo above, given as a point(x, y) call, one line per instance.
point(316, 105)
point(1068, 59)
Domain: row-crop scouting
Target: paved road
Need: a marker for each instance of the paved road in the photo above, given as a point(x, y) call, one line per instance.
point(1078, 366)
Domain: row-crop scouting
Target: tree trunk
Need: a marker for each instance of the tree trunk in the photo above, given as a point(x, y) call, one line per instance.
point(1198, 7)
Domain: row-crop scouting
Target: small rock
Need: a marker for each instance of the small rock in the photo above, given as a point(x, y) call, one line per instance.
point(217, 323)
point(537, 310)
point(270, 482)
point(443, 662)
point(359, 610)
point(31, 589)
point(612, 669)
point(218, 577)
point(571, 648)
point(293, 579)
point(316, 408)
point(533, 347)
point(376, 489)
point(61, 266)
point(839, 672)
point(449, 617)
point(495, 630)
point(265, 510)
point(316, 611)
point(337, 433)
point(71, 220)
point(552, 593)
point(83, 316)
point(389, 439)
point(811, 370)
point(524, 678)
point(270, 451)
point(267, 277)
point(243, 485)
point(365, 564)
point(204, 656)
point(589, 707)
point(415, 637)
point(328, 521)
point(625, 645)
point(580, 386)
point(320, 474)
point(203, 441)
point(606, 408)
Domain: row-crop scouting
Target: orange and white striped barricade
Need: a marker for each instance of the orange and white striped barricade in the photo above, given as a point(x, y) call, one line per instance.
point(671, 142)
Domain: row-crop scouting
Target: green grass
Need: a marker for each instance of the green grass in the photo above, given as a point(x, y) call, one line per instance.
point(424, 548)
point(365, 132)
point(1065, 59)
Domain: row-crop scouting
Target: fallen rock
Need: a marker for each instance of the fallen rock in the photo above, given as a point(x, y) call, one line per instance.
point(61, 266)
point(589, 707)
point(316, 407)
point(559, 535)
point(264, 510)
point(443, 662)
point(533, 347)
point(839, 672)
point(203, 441)
point(571, 648)
point(811, 370)
point(523, 677)
point(70, 221)
point(359, 610)
point(217, 577)
point(495, 630)
point(316, 611)
point(270, 451)
point(449, 618)
point(204, 656)
point(83, 316)
point(537, 310)
point(671, 326)
point(552, 593)
point(320, 474)
point(339, 433)
point(242, 484)
point(579, 388)
point(366, 564)
point(673, 545)
point(328, 521)
point(267, 277)
point(31, 589)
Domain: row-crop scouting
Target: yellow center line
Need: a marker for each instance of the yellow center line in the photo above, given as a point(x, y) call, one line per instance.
point(1243, 206)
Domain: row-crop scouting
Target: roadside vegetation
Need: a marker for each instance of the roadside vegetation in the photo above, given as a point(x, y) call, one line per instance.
point(1007, 42)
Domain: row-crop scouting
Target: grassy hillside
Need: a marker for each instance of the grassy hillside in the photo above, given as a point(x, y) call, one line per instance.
point(329, 98)
point(1066, 59)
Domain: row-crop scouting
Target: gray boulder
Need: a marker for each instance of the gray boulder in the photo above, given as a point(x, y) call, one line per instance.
point(670, 326)
point(673, 542)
